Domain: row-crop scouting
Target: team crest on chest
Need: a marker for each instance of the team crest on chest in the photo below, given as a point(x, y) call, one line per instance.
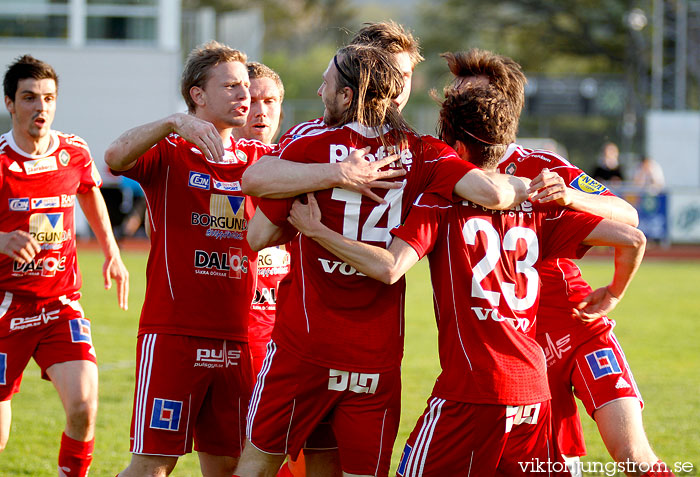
point(64, 158)
point(510, 169)
point(242, 156)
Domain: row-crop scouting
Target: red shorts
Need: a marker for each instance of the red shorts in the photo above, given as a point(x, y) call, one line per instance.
point(293, 396)
point(594, 370)
point(190, 388)
point(456, 438)
point(52, 331)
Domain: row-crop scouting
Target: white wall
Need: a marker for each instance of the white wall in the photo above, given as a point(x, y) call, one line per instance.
point(104, 91)
point(673, 140)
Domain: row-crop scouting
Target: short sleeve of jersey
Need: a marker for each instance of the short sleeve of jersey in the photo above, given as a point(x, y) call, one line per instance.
point(89, 176)
point(567, 229)
point(420, 229)
point(445, 166)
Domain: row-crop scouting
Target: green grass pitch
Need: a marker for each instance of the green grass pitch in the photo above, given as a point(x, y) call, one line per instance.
point(658, 324)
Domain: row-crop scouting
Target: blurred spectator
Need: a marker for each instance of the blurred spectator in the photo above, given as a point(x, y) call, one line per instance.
point(649, 175)
point(133, 206)
point(608, 169)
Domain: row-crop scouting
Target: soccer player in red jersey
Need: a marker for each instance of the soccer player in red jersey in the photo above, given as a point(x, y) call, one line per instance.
point(489, 412)
point(266, 95)
point(583, 358)
point(42, 171)
point(194, 372)
point(330, 355)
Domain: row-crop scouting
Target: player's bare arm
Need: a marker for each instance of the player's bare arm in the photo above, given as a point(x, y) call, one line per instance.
point(492, 189)
point(19, 245)
point(262, 232)
point(275, 178)
point(385, 265)
point(629, 243)
point(123, 152)
point(549, 186)
point(95, 210)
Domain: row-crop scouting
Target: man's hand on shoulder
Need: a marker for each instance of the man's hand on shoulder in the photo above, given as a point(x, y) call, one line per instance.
point(201, 133)
point(358, 174)
point(19, 245)
point(550, 186)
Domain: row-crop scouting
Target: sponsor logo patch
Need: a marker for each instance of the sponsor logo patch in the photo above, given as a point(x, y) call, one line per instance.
point(80, 330)
point(214, 358)
point(20, 204)
point(67, 200)
point(47, 229)
point(587, 184)
point(37, 166)
point(166, 414)
point(46, 203)
point(227, 186)
point(3, 369)
point(232, 264)
point(603, 362)
point(199, 180)
point(226, 217)
point(20, 323)
point(46, 266)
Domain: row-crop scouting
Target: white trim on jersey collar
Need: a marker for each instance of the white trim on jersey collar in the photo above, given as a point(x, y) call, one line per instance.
point(8, 136)
point(511, 148)
point(366, 131)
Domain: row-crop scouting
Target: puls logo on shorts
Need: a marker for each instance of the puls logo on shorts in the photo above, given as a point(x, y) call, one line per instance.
point(554, 350)
point(31, 321)
point(214, 358)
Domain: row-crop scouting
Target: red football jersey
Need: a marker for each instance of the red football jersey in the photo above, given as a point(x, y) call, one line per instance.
point(273, 266)
point(484, 269)
point(563, 287)
point(39, 196)
point(329, 313)
point(201, 271)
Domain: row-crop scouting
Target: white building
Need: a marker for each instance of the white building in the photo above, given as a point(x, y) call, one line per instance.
point(118, 61)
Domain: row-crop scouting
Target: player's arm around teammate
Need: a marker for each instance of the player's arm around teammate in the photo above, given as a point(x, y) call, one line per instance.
point(123, 152)
point(388, 265)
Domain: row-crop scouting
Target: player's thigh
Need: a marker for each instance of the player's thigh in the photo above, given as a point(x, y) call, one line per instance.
point(290, 398)
point(219, 429)
point(76, 383)
point(601, 374)
point(66, 340)
point(366, 420)
point(169, 391)
point(454, 438)
point(622, 430)
point(560, 351)
point(216, 465)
